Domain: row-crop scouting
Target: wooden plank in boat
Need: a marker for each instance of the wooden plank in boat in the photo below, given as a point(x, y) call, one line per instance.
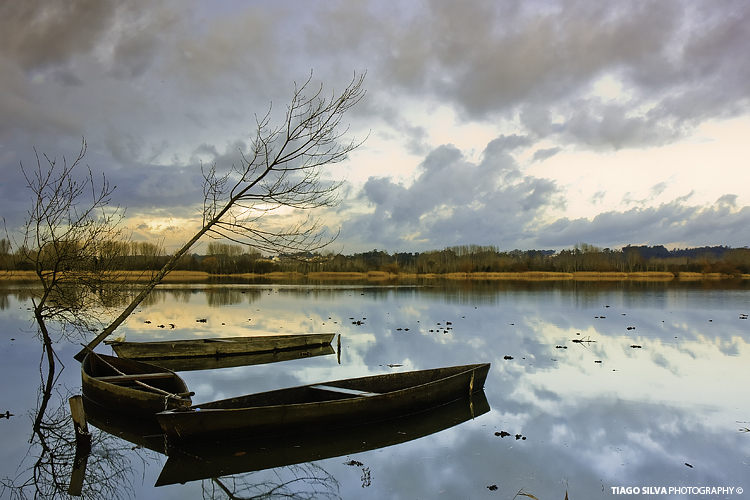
point(341, 390)
point(133, 377)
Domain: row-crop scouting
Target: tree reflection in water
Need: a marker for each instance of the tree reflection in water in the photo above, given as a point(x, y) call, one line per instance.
point(109, 466)
point(316, 481)
point(46, 469)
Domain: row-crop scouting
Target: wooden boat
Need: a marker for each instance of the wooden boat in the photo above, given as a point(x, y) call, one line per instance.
point(131, 386)
point(231, 361)
point(317, 407)
point(221, 459)
point(215, 347)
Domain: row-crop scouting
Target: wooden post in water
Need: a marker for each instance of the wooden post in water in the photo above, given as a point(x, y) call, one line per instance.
point(83, 445)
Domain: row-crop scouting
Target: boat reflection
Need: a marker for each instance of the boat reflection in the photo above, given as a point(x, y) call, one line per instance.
point(206, 461)
point(144, 432)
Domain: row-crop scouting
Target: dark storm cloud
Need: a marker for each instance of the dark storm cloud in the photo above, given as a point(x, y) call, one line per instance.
point(39, 34)
point(44, 41)
point(679, 62)
point(145, 84)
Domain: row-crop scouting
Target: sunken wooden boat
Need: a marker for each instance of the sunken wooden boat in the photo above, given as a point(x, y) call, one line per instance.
point(317, 407)
point(217, 347)
point(266, 452)
point(131, 386)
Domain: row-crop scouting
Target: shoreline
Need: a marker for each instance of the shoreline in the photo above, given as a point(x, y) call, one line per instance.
point(197, 276)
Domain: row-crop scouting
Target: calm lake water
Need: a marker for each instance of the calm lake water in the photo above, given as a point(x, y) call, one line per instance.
point(655, 394)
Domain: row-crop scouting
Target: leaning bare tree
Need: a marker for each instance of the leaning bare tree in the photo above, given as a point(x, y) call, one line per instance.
point(283, 168)
point(69, 240)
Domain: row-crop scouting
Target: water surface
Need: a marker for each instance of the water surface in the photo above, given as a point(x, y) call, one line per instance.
point(597, 384)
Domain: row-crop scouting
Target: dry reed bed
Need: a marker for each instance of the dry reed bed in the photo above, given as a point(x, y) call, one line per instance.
point(182, 276)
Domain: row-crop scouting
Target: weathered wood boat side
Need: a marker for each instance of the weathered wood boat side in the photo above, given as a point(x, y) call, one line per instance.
point(235, 360)
point(226, 346)
point(131, 386)
point(214, 460)
point(318, 407)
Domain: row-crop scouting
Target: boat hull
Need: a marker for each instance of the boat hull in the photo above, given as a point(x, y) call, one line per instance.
point(216, 460)
point(216, 347)
point(311, 409)
point(130, 397)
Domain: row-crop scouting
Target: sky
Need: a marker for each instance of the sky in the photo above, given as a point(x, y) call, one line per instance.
point(534, 124)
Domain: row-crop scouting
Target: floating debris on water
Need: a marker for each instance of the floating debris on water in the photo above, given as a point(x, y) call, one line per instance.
point(587, 338)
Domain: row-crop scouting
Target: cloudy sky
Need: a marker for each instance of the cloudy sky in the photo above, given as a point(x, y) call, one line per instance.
point(520, 124)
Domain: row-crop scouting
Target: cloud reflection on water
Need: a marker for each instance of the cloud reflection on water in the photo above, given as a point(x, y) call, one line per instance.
point(636, 416)
point(634, 419)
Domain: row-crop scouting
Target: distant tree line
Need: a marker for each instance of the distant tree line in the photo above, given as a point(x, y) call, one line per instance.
point(582, 257)
point(223, 258)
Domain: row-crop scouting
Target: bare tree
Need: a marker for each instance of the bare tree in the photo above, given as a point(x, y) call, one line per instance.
point(67, 241)
point(284, 168)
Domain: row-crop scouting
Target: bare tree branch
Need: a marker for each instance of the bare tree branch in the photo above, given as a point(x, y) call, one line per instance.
point(283, 168)
point(69, 243)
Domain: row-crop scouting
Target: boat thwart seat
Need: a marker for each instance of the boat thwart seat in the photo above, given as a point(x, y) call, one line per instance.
point(114, 379)
point(341, 390)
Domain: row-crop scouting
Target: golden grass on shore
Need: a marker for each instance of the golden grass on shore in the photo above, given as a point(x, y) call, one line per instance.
point(140, 276)
point(530, 275)
point(255, 275)
point(651, 276)
point(704, 276)
point(599, 276)
point(195, 276)
point(17, 275)
point(328, 275)
point(130, 276)
point(621, 276)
